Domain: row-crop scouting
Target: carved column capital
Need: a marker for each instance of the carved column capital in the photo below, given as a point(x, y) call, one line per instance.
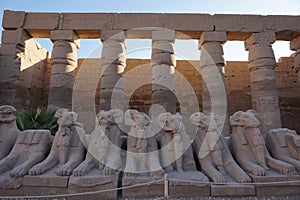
point(205, 37)
point(262, 38)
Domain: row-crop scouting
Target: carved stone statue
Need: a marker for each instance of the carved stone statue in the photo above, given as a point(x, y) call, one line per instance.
point(284, 144)
point(105, 144)
point(67, 150)
point(212, 149)
point(31, 147)
point(8, 129)
point(249, 146)
point(175, 155)
point(142, 152)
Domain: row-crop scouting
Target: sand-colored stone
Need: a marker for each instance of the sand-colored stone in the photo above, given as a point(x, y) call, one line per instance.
point(284, 145)
point(31, 147)
point(41, 21)
point(238, 23)
point(13, 19)
point(213, 152)
point(264, 93)
point(8, 129)
point(249, 147)
point(63, 63)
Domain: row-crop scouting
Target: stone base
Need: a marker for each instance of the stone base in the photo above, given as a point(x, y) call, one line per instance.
point(276, 184)
point(46, 184)
point(231, 190)
point(142, 189)
point(6, 182)
point(94, 181)
point(188, 184)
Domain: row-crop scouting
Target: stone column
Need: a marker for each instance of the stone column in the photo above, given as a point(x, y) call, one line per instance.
point(212, 70)
point(295, 46)
point(63, 64)
point(163, 63)
point(113, 63)
point(264, 94)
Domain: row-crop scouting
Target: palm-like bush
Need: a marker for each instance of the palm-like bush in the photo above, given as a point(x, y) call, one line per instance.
point(39, 119)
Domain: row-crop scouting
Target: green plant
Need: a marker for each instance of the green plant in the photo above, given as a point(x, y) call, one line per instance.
point(39, 119)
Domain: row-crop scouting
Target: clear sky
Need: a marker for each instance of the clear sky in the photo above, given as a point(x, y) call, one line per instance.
point(183, 49)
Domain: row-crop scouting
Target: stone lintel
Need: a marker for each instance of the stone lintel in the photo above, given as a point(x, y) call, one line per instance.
point(118, 35)
point(67, 35)
point(164, 34)
point(262, 38)
point(213, 37)
point(13, 19)
point(295, 44)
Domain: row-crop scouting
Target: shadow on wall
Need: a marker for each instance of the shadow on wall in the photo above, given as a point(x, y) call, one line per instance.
point(25, 77)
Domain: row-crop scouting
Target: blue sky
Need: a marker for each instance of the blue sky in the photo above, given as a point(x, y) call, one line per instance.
point(142, 48)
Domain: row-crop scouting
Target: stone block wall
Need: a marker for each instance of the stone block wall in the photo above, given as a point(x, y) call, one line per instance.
point(138, 88)
point(22, 71)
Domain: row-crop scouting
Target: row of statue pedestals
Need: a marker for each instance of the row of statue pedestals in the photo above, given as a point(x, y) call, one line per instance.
point(128, 149)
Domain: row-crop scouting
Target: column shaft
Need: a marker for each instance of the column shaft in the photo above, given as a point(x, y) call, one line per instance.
point(113, 63)
point(63, 64)
point(163, 63)
point(264, 94)
point(212, 65)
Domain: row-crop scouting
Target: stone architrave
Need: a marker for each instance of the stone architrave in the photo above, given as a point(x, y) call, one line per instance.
point(113, 63)
point(8, 129)
point(295, 46)
point(163, 64)
point(63, 64)
point(31, 147)
point(212, 71)
point(213, 152)
point(264, 94)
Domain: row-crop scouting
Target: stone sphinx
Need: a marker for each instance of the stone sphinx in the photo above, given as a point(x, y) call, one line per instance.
point(31, 147)
point(67, 150)
point(212, 150)
point(8, 129)
point(104, 149)
point(249, 146)
point(284, 144)
point(176, 152)
point(142, 151)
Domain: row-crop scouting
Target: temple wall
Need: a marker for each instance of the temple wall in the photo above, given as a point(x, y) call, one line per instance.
point(138, 74)
point(22, 74)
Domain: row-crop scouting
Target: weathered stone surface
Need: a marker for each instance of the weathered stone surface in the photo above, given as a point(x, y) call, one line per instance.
point(249, 148)
point(67, 35)
point(18, 36)
point(31, 147)
point(232, 190)
point(238, 23)
point(212, 150)
point(212, 37)
point(41, 21)
point(13, 19)
point(188, 22)
point(164, 35)
point(118, 35)
point(67, 151)
point(279, 23)
point(263, 38)
point(87, 21)
point(295, 44)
